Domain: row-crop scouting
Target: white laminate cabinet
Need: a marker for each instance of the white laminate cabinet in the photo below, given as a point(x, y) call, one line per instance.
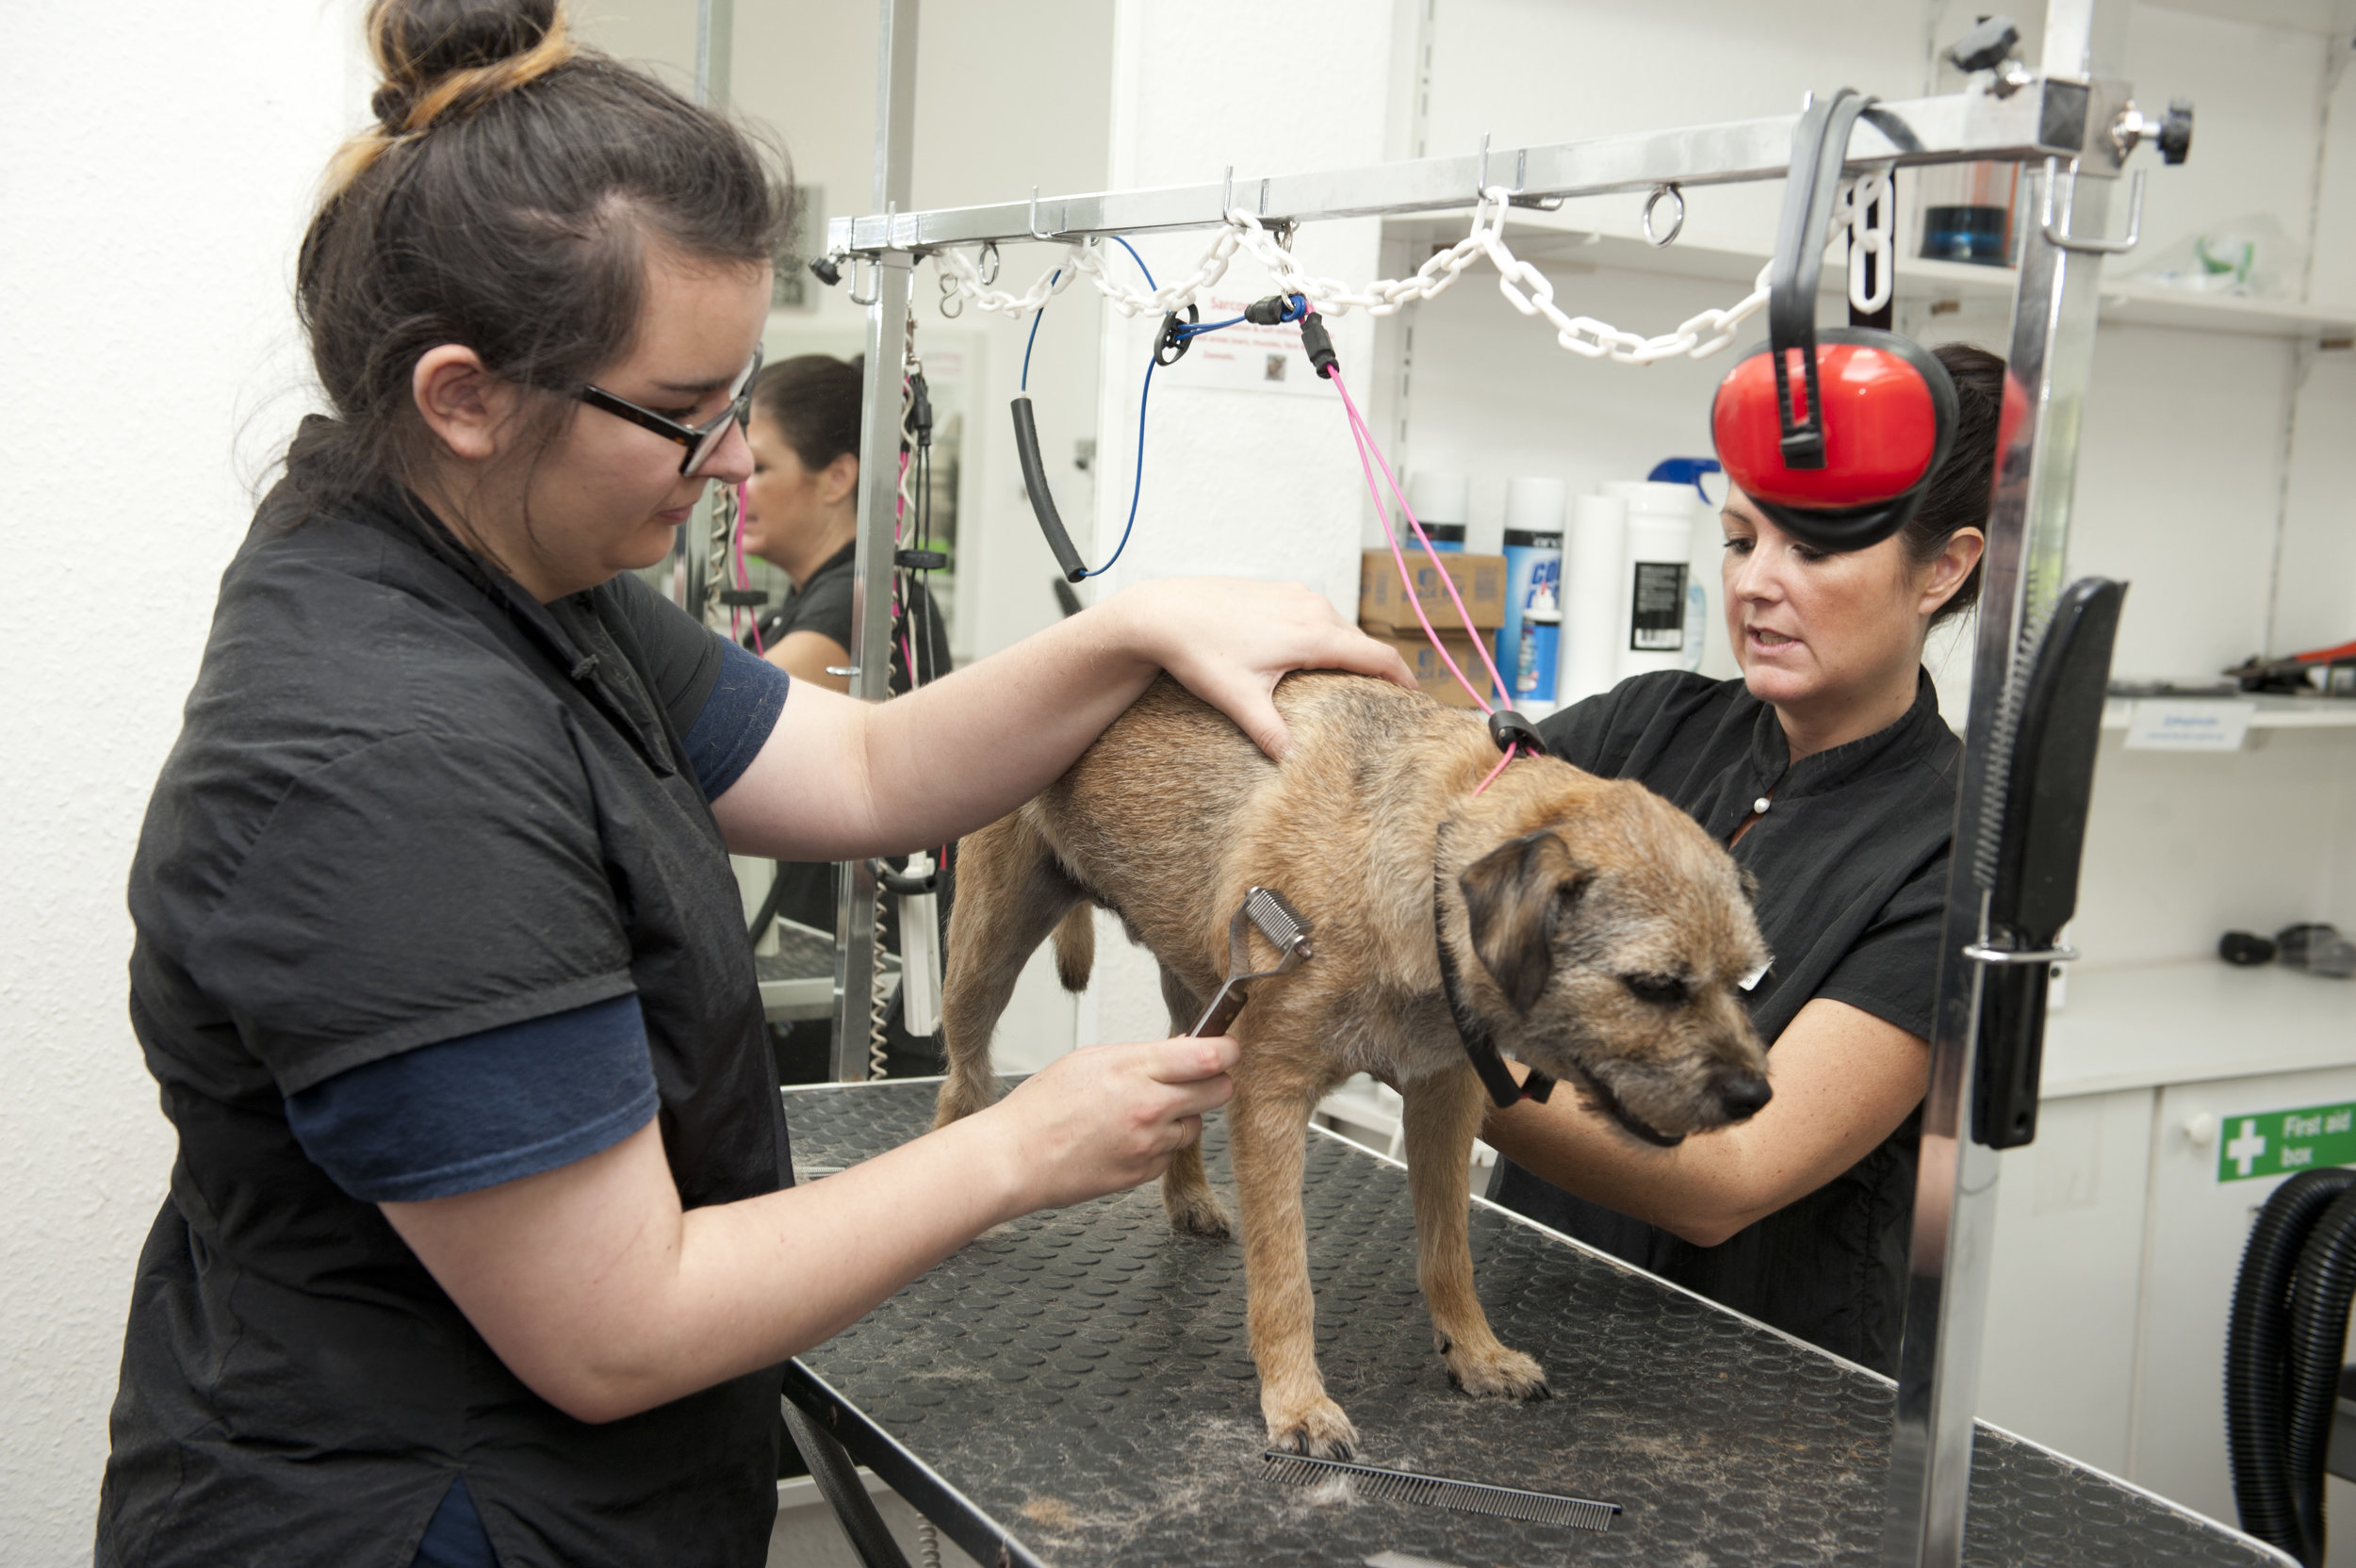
point(2198, 1220)
point(2058, 1360)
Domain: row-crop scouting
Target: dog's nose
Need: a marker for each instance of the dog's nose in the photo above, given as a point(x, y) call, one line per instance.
point(1745, 1096)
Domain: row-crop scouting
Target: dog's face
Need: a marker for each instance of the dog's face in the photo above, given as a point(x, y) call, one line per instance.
point(1616, 938)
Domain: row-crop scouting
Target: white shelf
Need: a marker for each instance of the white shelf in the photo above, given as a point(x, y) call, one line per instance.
point(2274, 712)
point(2145, 1025)
point(1551, 246)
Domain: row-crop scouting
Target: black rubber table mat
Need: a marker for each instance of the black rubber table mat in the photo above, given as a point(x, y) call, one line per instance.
point(1077, 1388)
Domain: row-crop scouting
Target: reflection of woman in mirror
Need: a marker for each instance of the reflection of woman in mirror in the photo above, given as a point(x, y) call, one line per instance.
point(801, 515)
point(1829, 772)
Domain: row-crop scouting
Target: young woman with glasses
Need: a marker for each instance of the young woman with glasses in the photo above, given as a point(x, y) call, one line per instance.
point(481, 1243)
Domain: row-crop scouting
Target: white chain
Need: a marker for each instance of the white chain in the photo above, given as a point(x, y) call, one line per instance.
point(1525, 287)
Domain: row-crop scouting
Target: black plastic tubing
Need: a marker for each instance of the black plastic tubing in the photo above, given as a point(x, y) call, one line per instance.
point(2257, 1355)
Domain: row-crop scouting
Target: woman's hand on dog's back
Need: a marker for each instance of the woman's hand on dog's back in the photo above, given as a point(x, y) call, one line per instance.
point(1108, 1116)
point(1229, 640)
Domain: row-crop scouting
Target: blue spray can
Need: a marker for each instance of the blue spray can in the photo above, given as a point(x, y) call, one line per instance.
point(1529, 647)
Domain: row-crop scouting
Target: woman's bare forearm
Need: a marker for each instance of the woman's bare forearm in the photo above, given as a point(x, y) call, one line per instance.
point(595, 1288)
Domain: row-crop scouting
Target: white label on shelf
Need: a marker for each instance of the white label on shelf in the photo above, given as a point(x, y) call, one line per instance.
point(2188, 725)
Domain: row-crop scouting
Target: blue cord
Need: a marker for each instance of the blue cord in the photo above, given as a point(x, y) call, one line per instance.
point(1034, 338)
point(1139, 260)
point(1198, 329)
point(1137, 485)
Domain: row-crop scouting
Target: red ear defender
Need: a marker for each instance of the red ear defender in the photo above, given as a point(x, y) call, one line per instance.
point(1834, 435)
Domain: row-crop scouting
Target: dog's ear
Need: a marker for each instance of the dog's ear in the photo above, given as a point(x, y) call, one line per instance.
point(1750, 885)
point(1514, 895)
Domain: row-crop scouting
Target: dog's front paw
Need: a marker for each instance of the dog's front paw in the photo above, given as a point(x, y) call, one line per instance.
point(1197, 1213)
point(1496, 1373)
point(1317, 1429)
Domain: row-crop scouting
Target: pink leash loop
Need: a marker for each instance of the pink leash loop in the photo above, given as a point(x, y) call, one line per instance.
point(1364, 440)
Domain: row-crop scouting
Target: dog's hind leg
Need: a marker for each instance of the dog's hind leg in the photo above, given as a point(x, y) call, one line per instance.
point(1267, 1128)
point(1186, 1189)
point(1441, 1118)
point(1010, 895)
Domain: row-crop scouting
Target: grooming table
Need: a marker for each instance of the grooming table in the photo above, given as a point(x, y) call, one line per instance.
point(1077, 1388)
point(798, 980)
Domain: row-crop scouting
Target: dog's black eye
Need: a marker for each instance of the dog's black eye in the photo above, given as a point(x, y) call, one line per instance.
point(1663, 990)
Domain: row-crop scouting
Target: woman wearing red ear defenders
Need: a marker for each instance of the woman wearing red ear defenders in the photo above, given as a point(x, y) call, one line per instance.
point(1829, 772)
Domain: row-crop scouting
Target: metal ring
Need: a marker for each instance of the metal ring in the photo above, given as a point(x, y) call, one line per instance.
point(1654, 199)
point(987, 269)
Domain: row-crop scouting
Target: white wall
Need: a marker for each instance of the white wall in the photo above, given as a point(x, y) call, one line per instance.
point(155, 184)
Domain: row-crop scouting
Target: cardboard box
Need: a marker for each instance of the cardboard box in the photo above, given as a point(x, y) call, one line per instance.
point(1432, 676)
point(1383, 602)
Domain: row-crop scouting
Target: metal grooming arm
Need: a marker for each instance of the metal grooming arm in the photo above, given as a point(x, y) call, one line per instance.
point(2067, 112)
point(888, 275)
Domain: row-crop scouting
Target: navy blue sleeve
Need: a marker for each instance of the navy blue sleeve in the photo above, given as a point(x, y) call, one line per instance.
point(736, 718)
point(480, 1109)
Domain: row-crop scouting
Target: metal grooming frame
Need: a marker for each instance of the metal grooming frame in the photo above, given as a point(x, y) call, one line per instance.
point(2062, 119)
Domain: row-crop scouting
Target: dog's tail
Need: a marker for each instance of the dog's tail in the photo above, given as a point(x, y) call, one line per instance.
point(1075, 946)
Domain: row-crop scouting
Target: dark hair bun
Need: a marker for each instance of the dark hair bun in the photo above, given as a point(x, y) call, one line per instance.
point(418, 44)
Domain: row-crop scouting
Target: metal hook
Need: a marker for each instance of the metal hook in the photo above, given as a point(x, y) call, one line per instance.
point(1677, 225)
point(987, 270)
point(852, 292)
point(949, 295)
point(2061, 238)
point(1481, 176)
point(1036, 233)
point(1227, 198)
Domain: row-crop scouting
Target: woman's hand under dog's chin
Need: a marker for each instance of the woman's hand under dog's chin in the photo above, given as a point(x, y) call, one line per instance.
point(1229, 640)
point(1105, 1117)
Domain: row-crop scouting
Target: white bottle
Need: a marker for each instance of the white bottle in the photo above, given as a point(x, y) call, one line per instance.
point(1594, 548)
point(1653, 620)
point(1442, 503)
point(1704, 644)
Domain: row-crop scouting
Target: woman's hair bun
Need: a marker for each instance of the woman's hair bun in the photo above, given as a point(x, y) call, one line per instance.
point(439, 52)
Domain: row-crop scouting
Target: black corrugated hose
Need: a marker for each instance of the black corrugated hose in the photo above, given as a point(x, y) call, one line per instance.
point(2320, 1294)
point(2279, 1503)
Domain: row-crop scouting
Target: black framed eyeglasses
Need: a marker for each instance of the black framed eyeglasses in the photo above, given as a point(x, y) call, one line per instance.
point(702, 440)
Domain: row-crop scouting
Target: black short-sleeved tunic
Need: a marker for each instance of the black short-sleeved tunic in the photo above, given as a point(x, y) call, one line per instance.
point(1851, 858)
point(409, 804)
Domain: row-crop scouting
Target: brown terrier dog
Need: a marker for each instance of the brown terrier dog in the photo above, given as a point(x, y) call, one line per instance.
point(1598, 932)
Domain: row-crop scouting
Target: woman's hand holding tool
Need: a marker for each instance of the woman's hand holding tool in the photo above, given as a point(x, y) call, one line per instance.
point(1108, 1116)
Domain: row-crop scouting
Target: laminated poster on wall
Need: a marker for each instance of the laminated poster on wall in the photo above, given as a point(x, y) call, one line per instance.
point(1244, 357)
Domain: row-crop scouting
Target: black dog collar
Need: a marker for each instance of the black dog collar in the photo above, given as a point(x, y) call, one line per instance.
point(1470, 1027)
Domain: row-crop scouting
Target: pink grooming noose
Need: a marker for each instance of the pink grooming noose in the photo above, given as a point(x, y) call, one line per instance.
point(1366, 448)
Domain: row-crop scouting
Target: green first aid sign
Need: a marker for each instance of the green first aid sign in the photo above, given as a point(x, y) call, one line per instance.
point(2281, 1143)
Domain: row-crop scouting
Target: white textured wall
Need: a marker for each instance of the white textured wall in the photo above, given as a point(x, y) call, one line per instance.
point(155, 176)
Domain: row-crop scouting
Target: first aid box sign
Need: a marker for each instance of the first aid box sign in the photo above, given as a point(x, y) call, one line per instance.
point(2283, 1143)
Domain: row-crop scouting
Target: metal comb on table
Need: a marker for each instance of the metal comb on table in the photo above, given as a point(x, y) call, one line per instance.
point(1285, 930)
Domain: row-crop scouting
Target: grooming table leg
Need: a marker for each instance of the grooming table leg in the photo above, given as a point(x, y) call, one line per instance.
point(831, 1466)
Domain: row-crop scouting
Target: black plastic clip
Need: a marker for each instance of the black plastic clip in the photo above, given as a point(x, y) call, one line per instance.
point(1276, 310)
point(921, 560)
point(1173, 345)
point(825, 271)
point(744, 599)
point(1509, 729)
point(920, 408)
point(1321, 356)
